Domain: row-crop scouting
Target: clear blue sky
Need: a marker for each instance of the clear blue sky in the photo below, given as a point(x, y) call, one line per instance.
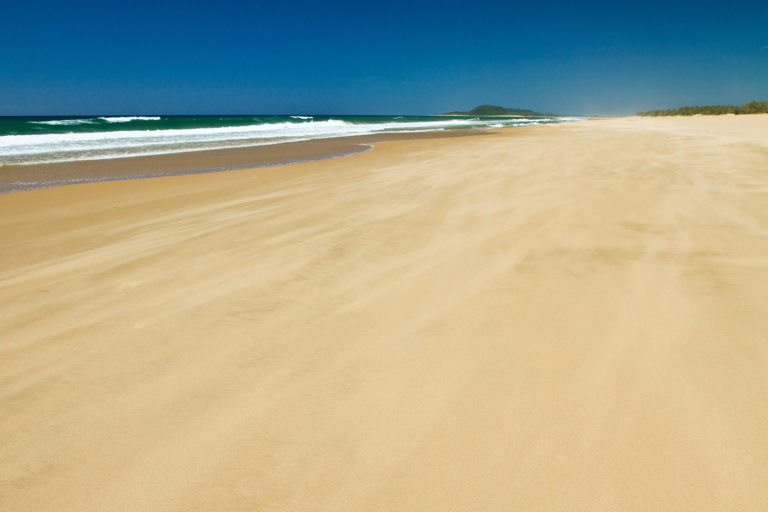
point(378, 57)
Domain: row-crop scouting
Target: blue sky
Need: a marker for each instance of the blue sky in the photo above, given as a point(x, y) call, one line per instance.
point(378, 57)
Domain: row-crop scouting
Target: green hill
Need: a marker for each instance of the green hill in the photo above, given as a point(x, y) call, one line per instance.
point(495, 110)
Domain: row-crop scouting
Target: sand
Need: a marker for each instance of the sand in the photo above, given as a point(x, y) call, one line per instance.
point(569, 317)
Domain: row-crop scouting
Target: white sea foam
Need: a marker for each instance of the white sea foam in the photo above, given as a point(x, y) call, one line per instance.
point(56, 147)
point(125, 119)
point(64, 122)
point(302, 117)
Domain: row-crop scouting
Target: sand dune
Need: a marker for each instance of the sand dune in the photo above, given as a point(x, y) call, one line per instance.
point(569, 317)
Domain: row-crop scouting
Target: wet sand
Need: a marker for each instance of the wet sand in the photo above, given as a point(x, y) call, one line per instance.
point(562, 317)
point(26, 177)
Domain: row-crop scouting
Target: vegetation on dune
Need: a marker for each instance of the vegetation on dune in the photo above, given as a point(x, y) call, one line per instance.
point(753, 107)
point(495, 110)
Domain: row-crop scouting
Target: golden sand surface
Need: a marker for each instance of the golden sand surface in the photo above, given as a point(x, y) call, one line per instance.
point(569, 317)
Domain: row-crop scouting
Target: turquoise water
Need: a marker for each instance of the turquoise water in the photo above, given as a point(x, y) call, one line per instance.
point(29, 140)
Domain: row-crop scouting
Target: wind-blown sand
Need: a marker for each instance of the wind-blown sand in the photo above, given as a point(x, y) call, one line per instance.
point(569, 317)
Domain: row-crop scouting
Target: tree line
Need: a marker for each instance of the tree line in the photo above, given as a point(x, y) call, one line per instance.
point(753, 107)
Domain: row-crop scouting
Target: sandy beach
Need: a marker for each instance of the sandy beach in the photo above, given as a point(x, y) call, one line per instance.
point(562, 317)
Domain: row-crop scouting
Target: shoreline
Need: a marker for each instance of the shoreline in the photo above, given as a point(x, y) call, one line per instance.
point(18, 178)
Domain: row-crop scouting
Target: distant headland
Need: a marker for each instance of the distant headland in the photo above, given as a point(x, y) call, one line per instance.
point(495, 110)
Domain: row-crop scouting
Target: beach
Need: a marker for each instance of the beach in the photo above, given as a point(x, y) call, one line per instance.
point(558, 317)
point(14, 178)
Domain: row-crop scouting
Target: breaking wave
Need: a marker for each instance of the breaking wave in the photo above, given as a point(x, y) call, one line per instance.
point(115, 136)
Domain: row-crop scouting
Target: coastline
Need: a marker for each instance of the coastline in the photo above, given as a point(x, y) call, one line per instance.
point(556, 317)
point(14, 178)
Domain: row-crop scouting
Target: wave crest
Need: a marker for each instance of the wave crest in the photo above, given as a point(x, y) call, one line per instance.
point(126, 119)
point(64, 122)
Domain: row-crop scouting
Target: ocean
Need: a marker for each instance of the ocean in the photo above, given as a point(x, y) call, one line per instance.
point(34, 140)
